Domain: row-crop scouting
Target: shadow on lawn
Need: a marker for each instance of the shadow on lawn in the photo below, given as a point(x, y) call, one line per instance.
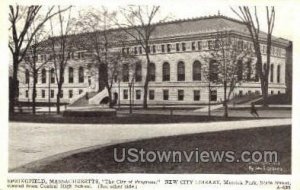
point(122, 119)
point(101, 160)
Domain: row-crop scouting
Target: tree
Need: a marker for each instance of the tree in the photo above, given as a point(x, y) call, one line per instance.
point(226, 61)
point(31, 60)
point(61, 49)
point(252, 22)
point(99, 40)
point(21, 19)
point(139, 25)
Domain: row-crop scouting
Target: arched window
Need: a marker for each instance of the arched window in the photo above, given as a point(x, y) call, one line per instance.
point(81, 75)
point(278, 74)
point(71, 75)
point(197, 70)
point(180, 71)
point(166, 71)
point(27, 76)
point(52, 76)
point(44, 78)
point(152, 72)
point(125, 73)
point(138, 72)
point(272, 73)
point(213, 70)
point(240, 70)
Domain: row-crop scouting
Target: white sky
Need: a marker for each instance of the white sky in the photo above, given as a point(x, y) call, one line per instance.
point(284, 22)
point(180, 9)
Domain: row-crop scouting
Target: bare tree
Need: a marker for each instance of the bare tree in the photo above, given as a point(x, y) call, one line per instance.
point(225, 64)
point(21, 19)
point(99, 42)
point(61, 49)
point(252, 22)
point(139, 24)
point(31, 60)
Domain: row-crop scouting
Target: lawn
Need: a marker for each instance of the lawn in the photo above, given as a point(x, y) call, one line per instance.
point(267, 138)
point(135, 118)
point(278, 99)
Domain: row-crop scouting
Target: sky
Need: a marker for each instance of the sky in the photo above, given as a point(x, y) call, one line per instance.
point(184, 9)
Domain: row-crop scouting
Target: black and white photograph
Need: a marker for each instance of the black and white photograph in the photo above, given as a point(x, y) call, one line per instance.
point(128, 87)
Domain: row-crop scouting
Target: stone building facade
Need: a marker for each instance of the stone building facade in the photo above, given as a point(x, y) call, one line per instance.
point(176, 73)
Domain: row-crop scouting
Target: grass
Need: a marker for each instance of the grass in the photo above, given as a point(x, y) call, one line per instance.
point(101, 160)
point(121, 119)
point(278, 99)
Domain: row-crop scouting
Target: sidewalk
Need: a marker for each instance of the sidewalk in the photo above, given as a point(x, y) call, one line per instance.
point(31, 142)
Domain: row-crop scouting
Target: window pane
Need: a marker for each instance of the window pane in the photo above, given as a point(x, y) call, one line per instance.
point(166, 71)
point(180, 71)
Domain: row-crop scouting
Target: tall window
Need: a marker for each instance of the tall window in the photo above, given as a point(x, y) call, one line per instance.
point(169, 47)
point(44, 78)
point(52, 75)
point(151, 94)
point(125, 94)
point(240, 70)
point(180, 71)
point(193, 46)
point(272, 73)
point(152, 72)
point(43, 93)
point(166, 94)
point(163, 48)
point(153, 49)
point(196, 95)
point(138, 72)
point(213, 95)
point(27, 76)
point(135, 50)
point(80, 75)
point(166, 71)
point(197, 70)
point(278, 74)
point(180, 95)
point(52, 93)
point(213, 70)
point(138, 94)
point(70, 93)
point(71, 75)
point(125, 73)
point(177, 47)
point(183, 46)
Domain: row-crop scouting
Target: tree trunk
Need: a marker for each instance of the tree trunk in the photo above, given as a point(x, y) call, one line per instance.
point(146, 83)
point(225, 100)
point(58, 98)
point(34, 91)
point(14, 86)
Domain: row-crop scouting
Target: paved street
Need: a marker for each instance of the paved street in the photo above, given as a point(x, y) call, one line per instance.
point(30, 142)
